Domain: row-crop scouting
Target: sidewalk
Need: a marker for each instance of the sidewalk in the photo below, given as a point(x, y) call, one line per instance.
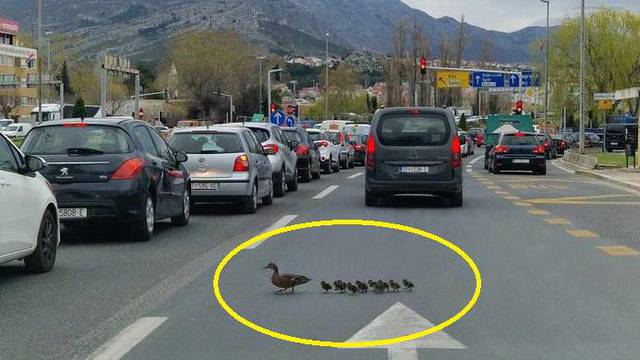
point(623, 177)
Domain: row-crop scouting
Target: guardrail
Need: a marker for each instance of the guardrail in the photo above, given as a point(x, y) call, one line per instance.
point(585, 161)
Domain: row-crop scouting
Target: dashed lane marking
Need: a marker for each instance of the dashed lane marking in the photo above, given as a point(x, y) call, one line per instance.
point(472, 162)
point(324, 193)
point(354, 176)
point(512, 198)
point(538, 212)
point(284, 221)
point(494, 187)
point(582, 233)
point(558, 221)
point(505, 193)
point(619, 250)
point(586, 200)
point(522, 204)
point(127, 339)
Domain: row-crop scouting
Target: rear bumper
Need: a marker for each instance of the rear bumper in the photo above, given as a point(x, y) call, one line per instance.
point(227, 191)
point(359, 157)
point(535, 163)
point(386, 187)
point(303, 164)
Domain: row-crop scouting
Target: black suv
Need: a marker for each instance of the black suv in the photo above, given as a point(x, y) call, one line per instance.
point(114, 171)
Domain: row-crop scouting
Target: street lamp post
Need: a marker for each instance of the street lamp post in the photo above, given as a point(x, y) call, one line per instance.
point(582, 77)
point(48, 34)
point(230, 104)
point(546, 72)
point(260, 58)
point(269, 89)
point(38, 59)
point(326, 83)
point(294, 83)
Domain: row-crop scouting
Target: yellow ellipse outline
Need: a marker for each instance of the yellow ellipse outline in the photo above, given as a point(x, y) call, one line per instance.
point(342, 344)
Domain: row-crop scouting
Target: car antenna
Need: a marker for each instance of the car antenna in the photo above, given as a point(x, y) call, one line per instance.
point(208, 123)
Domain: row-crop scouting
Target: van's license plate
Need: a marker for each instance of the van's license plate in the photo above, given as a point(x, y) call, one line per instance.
point(205, 186)
point(72, 213)
point(414, 169)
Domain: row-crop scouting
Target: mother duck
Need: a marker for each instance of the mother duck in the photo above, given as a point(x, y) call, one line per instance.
point(285, 281)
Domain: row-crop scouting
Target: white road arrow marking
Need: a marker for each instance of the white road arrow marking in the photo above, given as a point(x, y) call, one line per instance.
point(400, 320)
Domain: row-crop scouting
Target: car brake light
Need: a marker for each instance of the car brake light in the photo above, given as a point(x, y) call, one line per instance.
point(324, 143)
point(130, 169)
point(414, 112)
point(271, 149)
point(502, 149)
point(302, 150)
point(520, 134)
point(456, 152)
point(80, 124)
point(241, 164)
point(546, 145)
point(340, 137)
point(371, 153)
point(538, 150)
point(358, 147)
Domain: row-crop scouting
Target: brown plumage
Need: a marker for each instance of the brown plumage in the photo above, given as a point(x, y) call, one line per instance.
point(339, 286)
point(362, 287)
point(353, 289)
point(325, 286)
point(285, 281)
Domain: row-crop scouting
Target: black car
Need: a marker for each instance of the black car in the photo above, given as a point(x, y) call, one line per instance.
point(550, 146)
point(518, 151)
point(113, 171)
point(307, 151)
point(561, 144)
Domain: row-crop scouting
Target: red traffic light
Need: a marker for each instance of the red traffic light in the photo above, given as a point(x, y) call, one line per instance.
point(423, 62)
point(519, 107)
point(274, 107)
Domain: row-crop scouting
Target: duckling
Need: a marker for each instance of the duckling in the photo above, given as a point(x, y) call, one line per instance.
point(408, 285)
point(385, 286)
point(353, 289)
point(372, 284)
point(379, 287)
point(362, 287)
point(339, 286)
point(394, 286)
point(325, 286)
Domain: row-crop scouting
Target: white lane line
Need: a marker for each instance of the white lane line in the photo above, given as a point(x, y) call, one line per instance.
point(326, 192)
point(354, 176)
point(472, 162)
point(284, 221)
point(127, 339)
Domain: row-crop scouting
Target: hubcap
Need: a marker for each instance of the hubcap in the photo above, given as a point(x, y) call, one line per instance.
point(255, 197)
point(47, 239)
point(283, 182)
point(150, 216)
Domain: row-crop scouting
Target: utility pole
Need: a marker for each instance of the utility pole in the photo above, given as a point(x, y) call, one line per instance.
point(582, 77)
point(38, 59)
point(546, 72)
point(326, 83)
point(294, 83)
point(48, 35)
point(260, 107)
point(269, 88)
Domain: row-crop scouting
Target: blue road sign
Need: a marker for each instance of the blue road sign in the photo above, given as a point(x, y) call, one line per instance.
point(487, 80)
point(530, 79)
point(278, 117)
point(514, 80)
point(291, 121)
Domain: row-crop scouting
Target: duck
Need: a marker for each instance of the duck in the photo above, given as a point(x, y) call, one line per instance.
point(285, 281)
point(408, 285)
point(394, 286)
point(340, 286)
point(325, 286)
point(362, 287)
point(353, 289)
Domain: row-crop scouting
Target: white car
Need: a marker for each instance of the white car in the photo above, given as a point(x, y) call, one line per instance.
point(329, 152)
point(17, 130)
point(29, 227)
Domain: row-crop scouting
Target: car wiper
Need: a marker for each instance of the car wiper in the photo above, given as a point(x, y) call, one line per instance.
point(84, 151)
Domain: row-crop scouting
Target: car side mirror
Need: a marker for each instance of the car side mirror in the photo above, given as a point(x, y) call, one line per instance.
point(34, 164)
point(293, 144)
point(181, 157)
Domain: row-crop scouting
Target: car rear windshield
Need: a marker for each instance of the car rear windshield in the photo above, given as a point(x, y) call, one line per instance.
point(77, 140)
point(413, 130)
point(262, 134)
point(359, 139)
point(206, 143)
point(334, 136)
point(618, 129)
point(318, 136)
point(293, 135)
point(519, 140)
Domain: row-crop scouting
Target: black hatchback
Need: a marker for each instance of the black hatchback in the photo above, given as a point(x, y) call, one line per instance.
point(518, 151)
point(116, 171)
point(308, 154)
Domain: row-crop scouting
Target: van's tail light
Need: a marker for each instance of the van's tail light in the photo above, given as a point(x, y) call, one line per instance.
point(271, 149)
point(371, 153)
point(538, 150)
point(456, 152)
point(323, 143)
point(130, 169)
point(502, 149)
point(241, 164)
point(302, 150)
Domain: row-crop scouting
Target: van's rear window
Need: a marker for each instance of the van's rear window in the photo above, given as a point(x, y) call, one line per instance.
point(76, 140)
point(413, 130)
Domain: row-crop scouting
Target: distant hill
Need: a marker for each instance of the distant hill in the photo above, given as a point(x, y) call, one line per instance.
point(281, 26)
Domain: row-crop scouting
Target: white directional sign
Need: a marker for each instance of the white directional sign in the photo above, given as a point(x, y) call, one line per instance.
point(604, 96)
point(399, 320)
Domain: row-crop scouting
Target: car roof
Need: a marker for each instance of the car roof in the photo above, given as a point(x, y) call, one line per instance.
point(212, 129)
point(92, 121)
point(400, 110)
point(249, 124)
point(315, 130)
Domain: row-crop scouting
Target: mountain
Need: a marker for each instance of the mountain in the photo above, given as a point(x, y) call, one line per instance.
point(281, 26)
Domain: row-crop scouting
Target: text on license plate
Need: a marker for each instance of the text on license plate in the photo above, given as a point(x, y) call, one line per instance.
point(414, 169)
point(520, 161)
point(73, 213)
point(205, 186)
point(614, 143)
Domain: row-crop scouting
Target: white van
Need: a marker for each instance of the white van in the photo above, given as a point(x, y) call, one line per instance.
point(17, 130)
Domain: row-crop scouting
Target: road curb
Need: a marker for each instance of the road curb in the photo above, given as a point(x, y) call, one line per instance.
point(608, 179)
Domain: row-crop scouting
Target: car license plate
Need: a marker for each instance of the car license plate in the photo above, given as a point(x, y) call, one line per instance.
point(614, 143)
point(205, 186)
point(414, 169)
point(520, 161)
point(72, 213)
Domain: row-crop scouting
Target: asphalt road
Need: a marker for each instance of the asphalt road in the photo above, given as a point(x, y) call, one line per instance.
point(558, 256)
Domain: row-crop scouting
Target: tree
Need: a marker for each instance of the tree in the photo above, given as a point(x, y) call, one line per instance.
point(395, 68)
point(66, 80)
point(7, 105)
point(118, 95)
point(463, 122)
point(79, 109)
point(85, 81)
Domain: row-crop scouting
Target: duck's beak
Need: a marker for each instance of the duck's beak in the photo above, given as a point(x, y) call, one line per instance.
point(265, 268)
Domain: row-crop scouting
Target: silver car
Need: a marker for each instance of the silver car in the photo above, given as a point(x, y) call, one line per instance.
point(281, 155)
point(226, 164)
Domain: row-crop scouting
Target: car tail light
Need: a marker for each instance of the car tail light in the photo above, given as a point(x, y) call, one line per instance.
point(538, 150)
point(340, 137)
point(456, 152)
point(302, 150)
point(546, 145)
point(323, 143)
point(241, 164)
point(271, 149)
point(358, 147)
point(520, 134)
point(80, 124)
point(501, 149)
point(371, 153)
point(130, 169)
point(563, 145)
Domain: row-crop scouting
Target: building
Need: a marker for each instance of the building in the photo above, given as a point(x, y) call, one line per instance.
point(17, 71)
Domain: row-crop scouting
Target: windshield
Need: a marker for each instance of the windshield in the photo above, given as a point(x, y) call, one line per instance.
point(413, 130)
point(318, 136)
point(74, 140)
point(13, 127)
point(293, 135)
point(206, 143)
point(521, 140)
point(262, 134)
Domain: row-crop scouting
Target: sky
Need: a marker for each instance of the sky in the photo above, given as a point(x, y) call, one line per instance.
point(512, 15)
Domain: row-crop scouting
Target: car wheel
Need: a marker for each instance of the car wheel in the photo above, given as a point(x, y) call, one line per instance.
point(316, 175)
point(44, 256)
point(344, 164)
point(371, 199)
point(268, 200)
point(543, 172)
point(306, 175)
point(456, 200)
point(279, 184)
point(486, 163)
point(143, 228)
point(293, 184)
point(250, 205)
point(352, 163)
point(183, 218)
point(336, 167)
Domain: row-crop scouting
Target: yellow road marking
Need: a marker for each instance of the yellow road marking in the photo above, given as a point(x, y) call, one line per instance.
point(493, 187)
point(539, 180)
point(522, 204)
point(512, 198)
point(619, 250)
point(538, 212)
point(506, 193)
point(585, 200)
point(518, 186)
point(582, 233)
point(558, 221)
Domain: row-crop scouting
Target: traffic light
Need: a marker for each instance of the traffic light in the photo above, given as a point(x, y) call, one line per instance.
point(518, 109)
point(274, 107)
point(423, 65)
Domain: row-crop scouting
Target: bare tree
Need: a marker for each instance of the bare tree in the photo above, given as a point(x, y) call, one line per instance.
point(7, 105)
point(395, 72)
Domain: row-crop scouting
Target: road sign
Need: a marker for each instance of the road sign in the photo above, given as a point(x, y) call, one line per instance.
point(449, 79)
point(290, 110)
point(278, 117)
point(605, 104)
point(514, 80)
point(487, 80)
point(604, 96)
point(530, 79)
point(290, 121)
point(400, 320)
